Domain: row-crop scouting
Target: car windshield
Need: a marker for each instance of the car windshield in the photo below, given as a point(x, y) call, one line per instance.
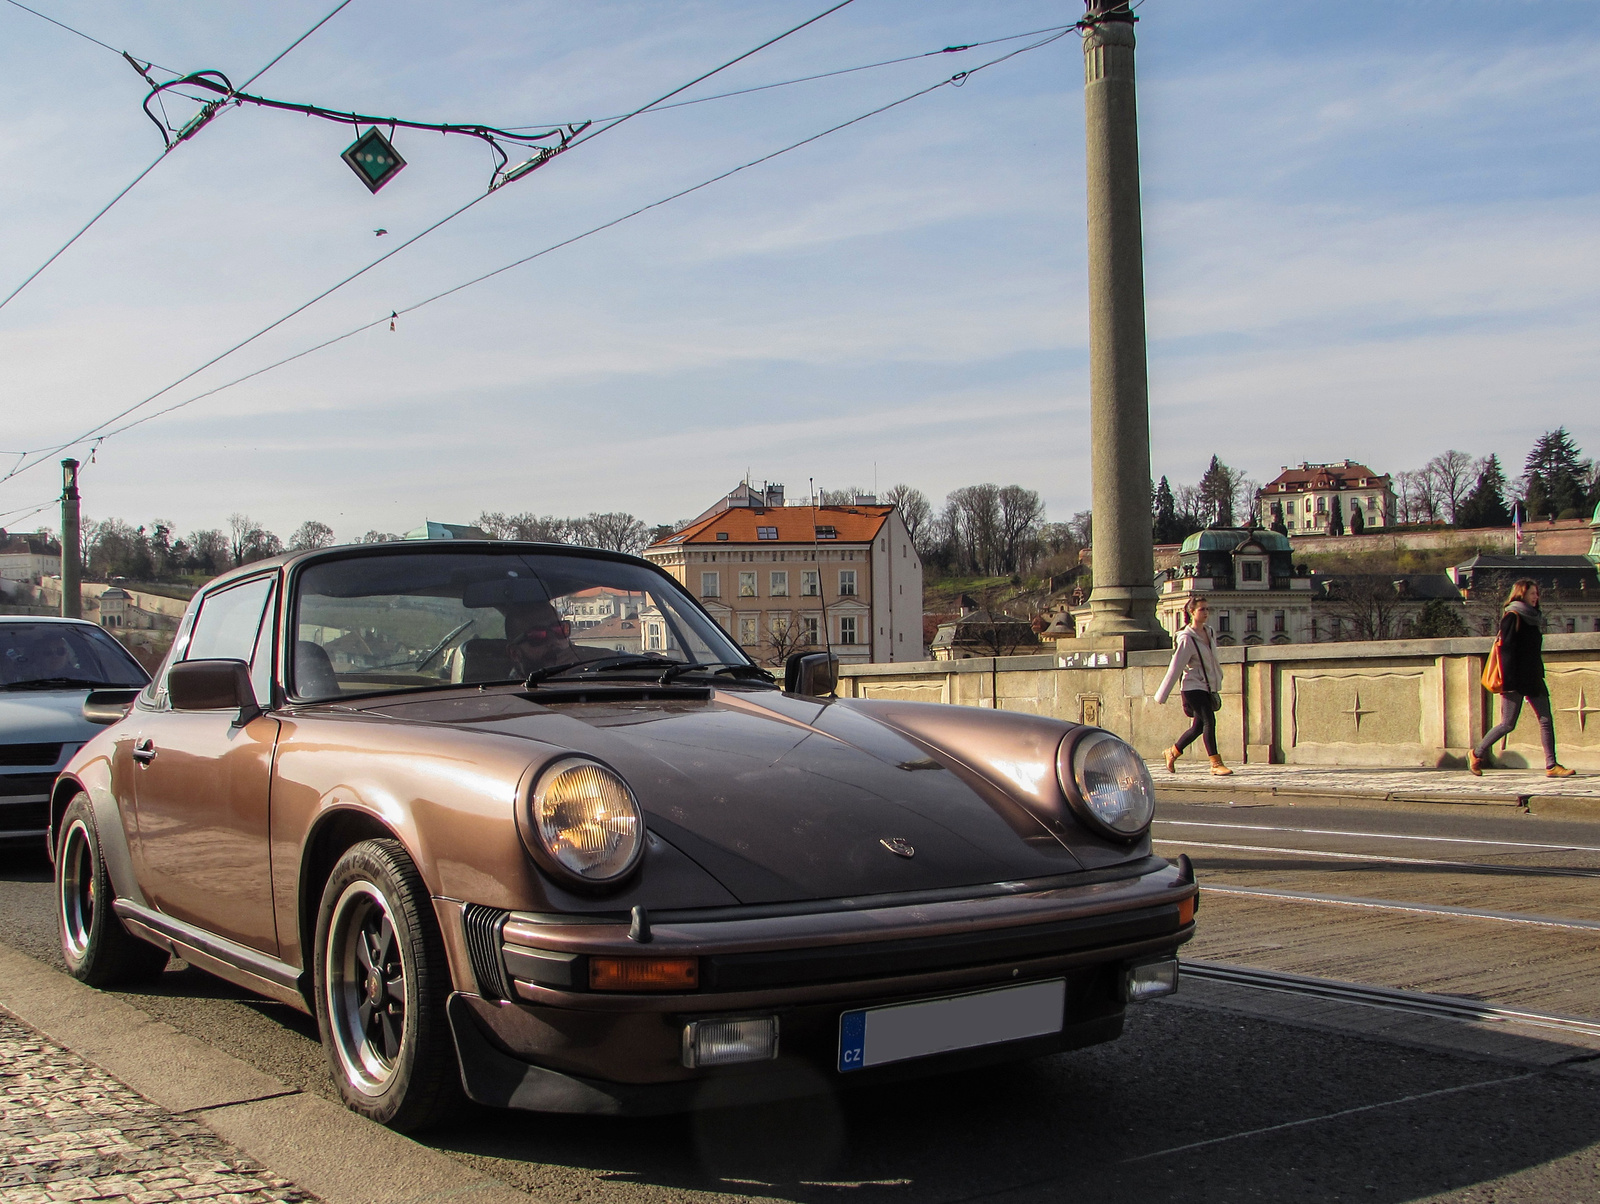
point(37, 656)
point(420, 619)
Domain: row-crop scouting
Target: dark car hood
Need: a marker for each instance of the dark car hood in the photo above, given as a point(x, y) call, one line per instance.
point(781, 798)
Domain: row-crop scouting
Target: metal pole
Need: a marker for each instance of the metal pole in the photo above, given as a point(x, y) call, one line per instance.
point(1123, 604)
point(71, 557)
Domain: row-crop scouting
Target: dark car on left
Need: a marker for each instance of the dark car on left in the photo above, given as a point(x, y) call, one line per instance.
point(49, 668)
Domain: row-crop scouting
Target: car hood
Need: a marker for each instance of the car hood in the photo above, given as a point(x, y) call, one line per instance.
point(783, 798)
point(44, 717)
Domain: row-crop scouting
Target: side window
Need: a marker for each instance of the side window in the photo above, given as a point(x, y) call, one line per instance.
point(229, 627)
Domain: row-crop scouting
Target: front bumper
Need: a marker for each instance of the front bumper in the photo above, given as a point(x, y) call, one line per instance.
point(535, 1037)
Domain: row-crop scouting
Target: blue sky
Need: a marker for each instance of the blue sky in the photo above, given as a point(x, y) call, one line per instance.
point(1371, 231)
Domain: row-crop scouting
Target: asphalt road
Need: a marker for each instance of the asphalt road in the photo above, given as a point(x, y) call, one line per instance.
point(1196, 1102)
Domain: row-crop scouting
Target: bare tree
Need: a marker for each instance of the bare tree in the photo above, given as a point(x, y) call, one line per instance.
point(972, 515)
point(537, 528)
point(784, 637)
point(1418, 495)
point(1021, 516)
point(841, 497)
point(251, 541)
point(376, 536)
point(615, 531)
point(1366, 607)
point(311, 534)
point(1451, 475)
point(915, 512)
point(1244, 499)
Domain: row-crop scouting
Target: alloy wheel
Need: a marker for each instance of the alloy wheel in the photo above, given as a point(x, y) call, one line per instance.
point(365, 983)
point(77, 889)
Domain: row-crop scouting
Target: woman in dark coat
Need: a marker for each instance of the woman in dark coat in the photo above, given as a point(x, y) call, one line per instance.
point(1522, 666)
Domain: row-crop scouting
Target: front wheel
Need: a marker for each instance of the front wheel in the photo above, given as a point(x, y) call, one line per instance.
point(98, 950)
point(382, 981)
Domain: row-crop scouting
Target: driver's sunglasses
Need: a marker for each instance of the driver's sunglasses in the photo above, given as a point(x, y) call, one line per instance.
point(543, 635)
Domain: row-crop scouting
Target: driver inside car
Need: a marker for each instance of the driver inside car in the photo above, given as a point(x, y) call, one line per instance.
point(537, 638)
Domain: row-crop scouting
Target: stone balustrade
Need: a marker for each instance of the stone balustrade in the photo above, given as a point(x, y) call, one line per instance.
point(1384, 703)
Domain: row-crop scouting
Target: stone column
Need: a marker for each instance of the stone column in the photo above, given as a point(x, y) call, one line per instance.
point(1123, 604)
point(71, 557)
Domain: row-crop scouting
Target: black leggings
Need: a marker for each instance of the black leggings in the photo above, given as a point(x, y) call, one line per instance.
point(1204, 725)
point(1510, 712)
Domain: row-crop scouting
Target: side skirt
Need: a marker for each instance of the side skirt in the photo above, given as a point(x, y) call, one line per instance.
point(239, 964)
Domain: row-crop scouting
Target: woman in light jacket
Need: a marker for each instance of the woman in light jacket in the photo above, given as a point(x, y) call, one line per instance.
point(1194, 661)
point(1522, 668)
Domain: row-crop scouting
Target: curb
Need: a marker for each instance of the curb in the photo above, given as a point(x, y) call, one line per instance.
point(318, 1145)
point(1558, 806)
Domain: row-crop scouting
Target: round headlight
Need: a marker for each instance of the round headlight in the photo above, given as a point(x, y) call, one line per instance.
point(588, 825)
point(1113, 785)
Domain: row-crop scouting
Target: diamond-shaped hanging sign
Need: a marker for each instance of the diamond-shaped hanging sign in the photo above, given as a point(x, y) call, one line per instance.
point(374, 159)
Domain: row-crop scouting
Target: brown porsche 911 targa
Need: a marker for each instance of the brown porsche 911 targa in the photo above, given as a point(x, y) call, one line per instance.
point(398, 786)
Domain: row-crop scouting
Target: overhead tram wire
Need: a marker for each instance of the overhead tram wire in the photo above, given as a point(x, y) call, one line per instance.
point(34, 275)
point(611, 125)
point(958, 78)
point(806, 79)
point(86, 37)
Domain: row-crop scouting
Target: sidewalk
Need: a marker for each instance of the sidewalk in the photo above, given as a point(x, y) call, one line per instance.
point(71, 1132)
point(1569, 798)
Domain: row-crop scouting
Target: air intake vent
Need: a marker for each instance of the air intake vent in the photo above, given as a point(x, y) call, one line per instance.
point(30, 754)
point(482, 926)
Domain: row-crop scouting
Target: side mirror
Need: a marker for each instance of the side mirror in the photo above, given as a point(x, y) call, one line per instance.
point(814, 673)
point(108, 706)
point(220, 685)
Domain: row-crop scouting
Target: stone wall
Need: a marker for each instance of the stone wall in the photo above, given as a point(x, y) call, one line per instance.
point(1401, 703)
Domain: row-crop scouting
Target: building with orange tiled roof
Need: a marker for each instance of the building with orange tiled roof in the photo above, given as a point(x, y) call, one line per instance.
point(1304, 495)
point(781, 578)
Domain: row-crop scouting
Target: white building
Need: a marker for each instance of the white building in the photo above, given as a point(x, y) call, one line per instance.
point(1305, 497)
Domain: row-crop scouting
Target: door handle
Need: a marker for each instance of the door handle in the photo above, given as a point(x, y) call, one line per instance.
point(144, 751)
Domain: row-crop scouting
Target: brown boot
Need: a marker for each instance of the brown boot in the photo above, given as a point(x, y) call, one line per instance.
point(1474, 764)
point(1219, 769)
point(1559, 771)
point(1173, 754)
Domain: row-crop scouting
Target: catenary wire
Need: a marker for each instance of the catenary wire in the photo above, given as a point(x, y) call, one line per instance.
point(805, 79)
point(79, 32)
point(101, 426)
point(566, 242)
point(34, 275)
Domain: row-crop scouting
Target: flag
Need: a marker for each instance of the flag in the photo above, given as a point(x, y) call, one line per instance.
point(1516, 523)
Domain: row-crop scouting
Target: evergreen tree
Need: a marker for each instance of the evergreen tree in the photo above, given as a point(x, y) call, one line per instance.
point(1167, 527)
point(1216, 492)
point(1278, 524)
point(1358, 524)
point(1336, 517)
point(1485, 506)
point(1554, 475)
point(1439, 620)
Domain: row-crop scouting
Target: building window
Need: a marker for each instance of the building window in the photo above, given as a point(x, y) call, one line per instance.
point(808, 624)
point(1338, 627)
point(653, 636)
point(1572, 626)
point(766, 533)
point(749, 629)
point(1322, 505)
point(1250, 621)
point(1278, 625)
point(747, 585)
point(847, 630)
point(710, 585)
point(779, 584)
point(847, 582)
point(1252, 570)
point(1224, 622)
point(722, 535)
point(809, 583)
point(827, 533)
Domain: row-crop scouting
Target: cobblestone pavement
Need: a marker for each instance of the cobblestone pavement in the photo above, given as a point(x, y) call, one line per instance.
point(68, 1131)
point(1194, 772)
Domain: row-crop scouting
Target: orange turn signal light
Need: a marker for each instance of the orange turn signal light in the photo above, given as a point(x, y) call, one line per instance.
point(644, 973)
point(1186, 910)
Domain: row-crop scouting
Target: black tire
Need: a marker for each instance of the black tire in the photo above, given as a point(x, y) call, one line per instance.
point(98, 950)
point(382, 981)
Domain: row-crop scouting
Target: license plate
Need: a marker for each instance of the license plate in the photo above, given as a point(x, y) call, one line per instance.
point(875, 1036)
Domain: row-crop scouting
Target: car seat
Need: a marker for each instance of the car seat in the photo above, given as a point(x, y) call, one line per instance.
point(484, 660)
point(313, 672)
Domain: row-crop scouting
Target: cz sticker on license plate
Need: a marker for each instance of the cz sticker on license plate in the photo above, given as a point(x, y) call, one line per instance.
point(875, 1036)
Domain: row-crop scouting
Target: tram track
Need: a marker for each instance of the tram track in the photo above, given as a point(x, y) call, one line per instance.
point(1484, 867)
point(1450, 1007)
point(1439, 909)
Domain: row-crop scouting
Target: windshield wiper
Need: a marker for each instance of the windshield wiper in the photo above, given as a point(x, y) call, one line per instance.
point(56, 683)
point(734, 669)
point(593, 666)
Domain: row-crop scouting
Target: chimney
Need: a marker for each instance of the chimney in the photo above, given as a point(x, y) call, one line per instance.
point(774, 494)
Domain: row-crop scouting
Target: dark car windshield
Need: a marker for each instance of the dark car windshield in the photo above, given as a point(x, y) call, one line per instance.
point(35, 656)
point(405, 619)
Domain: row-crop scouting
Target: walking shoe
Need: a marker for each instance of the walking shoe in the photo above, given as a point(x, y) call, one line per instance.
point(1172, 759)
point(1219, 769)
point(1559, 771)
point(1474, 764)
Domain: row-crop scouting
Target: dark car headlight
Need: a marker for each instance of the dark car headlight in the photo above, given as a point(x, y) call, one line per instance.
point(586, 827)
point(1109, 786)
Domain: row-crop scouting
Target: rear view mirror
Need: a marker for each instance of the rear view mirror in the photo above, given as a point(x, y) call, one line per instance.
point(219, 685)
point(503, 591)
point(108, 706)
point(813, 673)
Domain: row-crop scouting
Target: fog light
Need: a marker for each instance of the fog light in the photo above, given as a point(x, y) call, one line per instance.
point(1150, 979)
point(723, 1042)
